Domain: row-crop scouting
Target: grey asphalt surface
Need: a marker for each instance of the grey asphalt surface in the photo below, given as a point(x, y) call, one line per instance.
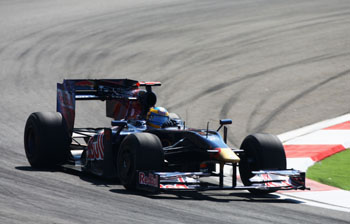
point(270, 65)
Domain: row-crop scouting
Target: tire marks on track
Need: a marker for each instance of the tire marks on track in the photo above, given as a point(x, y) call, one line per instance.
point(200, 44)
point(262, 125)
point(230, 83)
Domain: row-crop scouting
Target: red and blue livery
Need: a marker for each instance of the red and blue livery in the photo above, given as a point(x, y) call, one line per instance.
point(173, 157)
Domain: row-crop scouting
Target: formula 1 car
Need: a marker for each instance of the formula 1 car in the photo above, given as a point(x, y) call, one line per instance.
point(151, 159)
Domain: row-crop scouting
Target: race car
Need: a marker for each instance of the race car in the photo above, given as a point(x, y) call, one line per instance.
point(146, 157)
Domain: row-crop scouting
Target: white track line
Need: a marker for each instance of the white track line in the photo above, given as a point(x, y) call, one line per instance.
point(313, 134)
point(312, 128)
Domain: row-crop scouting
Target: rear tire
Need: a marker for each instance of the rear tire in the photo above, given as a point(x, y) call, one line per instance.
point(139, 151)
point(46, 140)
point(261, 152)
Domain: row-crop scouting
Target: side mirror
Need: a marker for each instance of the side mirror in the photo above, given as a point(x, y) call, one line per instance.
point(119, 123)
point(224, 122)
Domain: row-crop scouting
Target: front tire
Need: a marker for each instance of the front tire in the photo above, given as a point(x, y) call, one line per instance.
point(138, 152)
point(261, 152)
point(46, 140)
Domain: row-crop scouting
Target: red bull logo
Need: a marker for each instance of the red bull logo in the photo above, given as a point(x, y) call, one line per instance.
point(95, 148)
point(150, 180)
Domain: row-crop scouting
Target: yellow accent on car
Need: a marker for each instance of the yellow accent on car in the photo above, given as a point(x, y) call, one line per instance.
point(227, 155)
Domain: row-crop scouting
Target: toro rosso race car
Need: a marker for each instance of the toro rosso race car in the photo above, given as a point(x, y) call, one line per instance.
point(151, 156)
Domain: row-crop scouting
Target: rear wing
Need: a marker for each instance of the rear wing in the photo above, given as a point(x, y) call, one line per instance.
point(124, 97)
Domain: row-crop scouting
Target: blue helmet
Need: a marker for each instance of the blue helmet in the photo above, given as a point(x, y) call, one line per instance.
point(157, 116)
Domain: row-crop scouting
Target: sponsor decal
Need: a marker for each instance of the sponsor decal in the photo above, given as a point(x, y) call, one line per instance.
point(66, 103)
point(85, 83)
point(173, 186)
point(267, 177)
point(95, 149)
point(65, 99)
point(148, 180)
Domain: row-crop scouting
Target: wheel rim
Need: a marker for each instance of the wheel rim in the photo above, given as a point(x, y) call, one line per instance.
point(251, 163)
point(83, 159)
point(126, 165)
point(31, 142)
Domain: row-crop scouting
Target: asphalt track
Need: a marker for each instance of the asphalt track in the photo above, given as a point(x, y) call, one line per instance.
point(270, 65)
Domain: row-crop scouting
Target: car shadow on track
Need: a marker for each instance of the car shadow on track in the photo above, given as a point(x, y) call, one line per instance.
point(214, 196)
point(87, 177)
point(31, 169)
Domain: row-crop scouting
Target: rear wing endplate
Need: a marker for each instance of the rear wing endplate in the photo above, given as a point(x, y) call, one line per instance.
point(124, 98)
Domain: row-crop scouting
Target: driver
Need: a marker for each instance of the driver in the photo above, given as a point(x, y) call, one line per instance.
point(158, 117)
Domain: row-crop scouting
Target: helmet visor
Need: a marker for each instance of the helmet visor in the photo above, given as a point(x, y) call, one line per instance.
point(157, 120)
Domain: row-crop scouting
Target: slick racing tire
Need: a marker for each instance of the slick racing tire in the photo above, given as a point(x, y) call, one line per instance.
point(46, 140)
point(139, 151)
point(261, 152)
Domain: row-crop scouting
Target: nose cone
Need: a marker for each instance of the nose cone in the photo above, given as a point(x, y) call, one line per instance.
point(227, 155)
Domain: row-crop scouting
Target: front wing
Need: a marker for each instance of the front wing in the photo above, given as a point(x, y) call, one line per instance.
point(262, 180)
